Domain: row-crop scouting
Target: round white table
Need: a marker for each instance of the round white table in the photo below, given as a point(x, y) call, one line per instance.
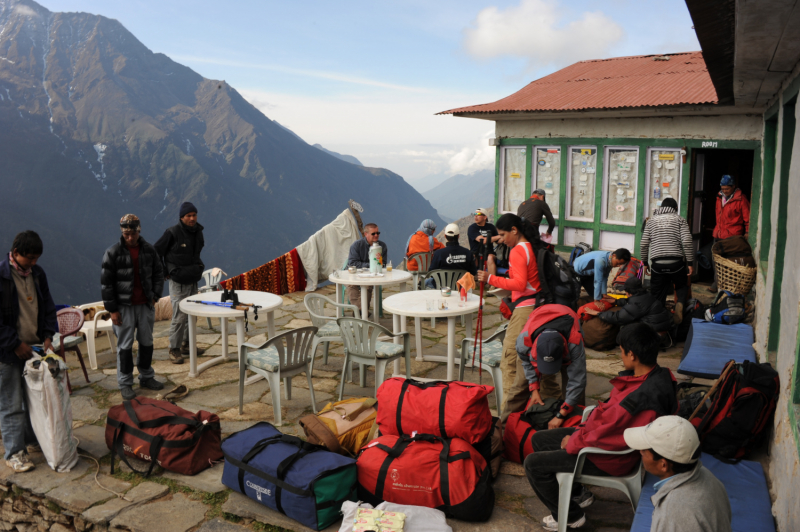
point(365, 280)
point(266, 301)
point(413, 304)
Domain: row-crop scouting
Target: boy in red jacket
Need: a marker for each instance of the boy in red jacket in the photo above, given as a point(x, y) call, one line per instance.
point(641, 393)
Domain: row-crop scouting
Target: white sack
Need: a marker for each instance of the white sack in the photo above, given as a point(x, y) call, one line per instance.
point(328, 248)
point(418, 518)
point(51, 414)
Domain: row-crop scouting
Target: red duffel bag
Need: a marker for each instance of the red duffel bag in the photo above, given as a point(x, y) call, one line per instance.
point(449, 409)
point(601, 305)
point(162, 433)
point(426, 470)
point(518, 432)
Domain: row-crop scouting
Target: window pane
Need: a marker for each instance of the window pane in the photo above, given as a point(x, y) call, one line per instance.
point(620, 193)
point(548, 175)
point(665, 177)
point(582, 174)
point(513, 179)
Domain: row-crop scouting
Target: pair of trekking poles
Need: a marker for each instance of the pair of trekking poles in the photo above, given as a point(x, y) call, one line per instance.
point(477, 346)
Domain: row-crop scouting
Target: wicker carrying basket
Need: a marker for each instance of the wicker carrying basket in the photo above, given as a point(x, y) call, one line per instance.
point(734, 277)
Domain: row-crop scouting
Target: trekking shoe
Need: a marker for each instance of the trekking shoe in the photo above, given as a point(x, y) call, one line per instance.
point(20, 462)
point(584, 499)
point(33, 448)
point(185, 350)
point(549, 523)
point(151, 384)
point(175, 356)
point(127, 393)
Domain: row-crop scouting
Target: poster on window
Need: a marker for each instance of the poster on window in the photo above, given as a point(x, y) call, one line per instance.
point(513, 179)
point(547, 175)
point(622, 167)
point(665, 177)
point(581, 181)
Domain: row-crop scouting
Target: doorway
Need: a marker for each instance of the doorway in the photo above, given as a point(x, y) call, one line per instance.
point(708, 167)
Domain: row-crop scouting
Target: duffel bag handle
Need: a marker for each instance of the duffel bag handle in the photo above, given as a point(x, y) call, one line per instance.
point(118, 449)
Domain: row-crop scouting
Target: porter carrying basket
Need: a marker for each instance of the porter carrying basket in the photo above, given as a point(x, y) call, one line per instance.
point(734, 277)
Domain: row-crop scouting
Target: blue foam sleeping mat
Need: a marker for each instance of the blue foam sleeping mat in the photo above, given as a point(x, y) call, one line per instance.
point(710, 346)
point(751, 509)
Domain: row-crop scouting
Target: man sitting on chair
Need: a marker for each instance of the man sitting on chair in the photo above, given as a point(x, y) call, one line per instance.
point(452, 257)
point(359, 257)
point(641, 393)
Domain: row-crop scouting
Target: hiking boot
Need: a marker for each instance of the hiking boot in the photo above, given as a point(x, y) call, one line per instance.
point(549, 523)
point(33, 448)
point(185, 350)
point(584, 499)
point(127, 393)
point(20, 462)
point(151, 384)
point(175, 356)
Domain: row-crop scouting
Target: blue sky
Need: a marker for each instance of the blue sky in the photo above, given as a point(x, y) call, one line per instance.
point(366, 78)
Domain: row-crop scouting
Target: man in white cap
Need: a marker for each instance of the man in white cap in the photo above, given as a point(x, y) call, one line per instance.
point(688, 498)
point(453, 256)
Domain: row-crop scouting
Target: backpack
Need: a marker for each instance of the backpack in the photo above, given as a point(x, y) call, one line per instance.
point(728, 308)
point(634, 268)
point(579, 250)
point(740, 411)
point(521, 426)
point(342, 427)
point(692, 309)
point(558, 280)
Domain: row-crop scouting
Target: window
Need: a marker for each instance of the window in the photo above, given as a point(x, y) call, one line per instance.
point(581, 174)
point(663, 178)
point(621, 178)
point(547, 174)
point(512, 184)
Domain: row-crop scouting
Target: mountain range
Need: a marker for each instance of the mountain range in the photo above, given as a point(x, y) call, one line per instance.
point(460, 195)
point(94, 125)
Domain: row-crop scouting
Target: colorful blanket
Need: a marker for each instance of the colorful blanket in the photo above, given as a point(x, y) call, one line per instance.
point(280, 276)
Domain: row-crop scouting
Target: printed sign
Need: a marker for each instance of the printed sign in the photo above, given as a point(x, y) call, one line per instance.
point(552, 151)
point(666, 156)
point(586, 152)
point(515, 176)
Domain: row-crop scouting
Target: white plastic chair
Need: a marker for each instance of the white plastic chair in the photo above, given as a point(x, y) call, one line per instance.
point(328, 328)
point(630, 484)
point(211, 281)
point(278, 358)
point(492, 355)
point(423, 261)
point(361, 345)
point(100, 323)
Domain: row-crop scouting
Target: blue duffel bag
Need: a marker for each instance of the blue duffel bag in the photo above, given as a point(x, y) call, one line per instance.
point(301, 480)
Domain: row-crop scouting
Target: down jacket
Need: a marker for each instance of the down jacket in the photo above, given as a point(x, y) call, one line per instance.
point(116, 276)
point(734, 218)
point(644, 308)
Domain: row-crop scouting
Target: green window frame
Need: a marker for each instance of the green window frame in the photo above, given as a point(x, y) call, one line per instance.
point(767, 180)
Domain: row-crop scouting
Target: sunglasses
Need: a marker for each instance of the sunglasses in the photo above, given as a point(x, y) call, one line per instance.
point(376, 234)
point(478, 214)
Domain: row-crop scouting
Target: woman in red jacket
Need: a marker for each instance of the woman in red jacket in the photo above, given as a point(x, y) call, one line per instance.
point(523, 282)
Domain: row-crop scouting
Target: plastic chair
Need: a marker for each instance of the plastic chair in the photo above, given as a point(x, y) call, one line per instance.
point(70, 321)
point(442, 278)
point(630, 485)
point(211, 281)
point(278, 358)
point(361, 345)
point(100, 323)
point(328, 328)
point(492, 355)
point(423, 261)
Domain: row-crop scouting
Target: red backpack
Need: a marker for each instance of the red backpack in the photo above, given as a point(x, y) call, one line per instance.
point(740, 411)
point(634, 268)
point(601, 305)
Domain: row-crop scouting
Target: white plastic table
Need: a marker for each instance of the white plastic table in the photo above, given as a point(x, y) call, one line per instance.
point(268, 303)
point(412, 304)
point(365, 280)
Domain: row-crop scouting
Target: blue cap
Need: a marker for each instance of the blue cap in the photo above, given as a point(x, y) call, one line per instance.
point(549, 351)
point(726, 181)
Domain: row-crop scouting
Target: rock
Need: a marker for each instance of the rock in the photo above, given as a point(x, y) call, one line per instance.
point(227, 395)
point(501, 521)
point(208, 339)
point(85, 409)
point(161, 343)
point(165, 367)
point(297, 324)
point(220, 525)
point(209, 480)
point(322, 374)
point(180, 513)
point(229, 427)
point(79, 496)
point(43, 479)
point(144, 492)
point(610, 512)
point(92, 440)
point(610, 366)
point(536, 509)
point(78, 380)
point(513, 484)
point(512, 468)
point(147, 491)
point(239, 505)
point(251, 412)
point(109, 383)
point(322, 385)
point(58, 527)
point(226, 372)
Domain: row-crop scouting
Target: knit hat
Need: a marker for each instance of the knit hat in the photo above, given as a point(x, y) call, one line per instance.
point(726, 181)
point(451, 230)
point(186, 208)
point(130, 223)
point(549, 351)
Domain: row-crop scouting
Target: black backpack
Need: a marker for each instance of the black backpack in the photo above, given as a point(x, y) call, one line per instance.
point(728, 308)
point(692, 309)
point(558, 280)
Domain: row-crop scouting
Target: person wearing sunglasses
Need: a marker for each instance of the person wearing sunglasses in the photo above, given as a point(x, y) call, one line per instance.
point(359, 257)
point(481, 234)
point(132, 280)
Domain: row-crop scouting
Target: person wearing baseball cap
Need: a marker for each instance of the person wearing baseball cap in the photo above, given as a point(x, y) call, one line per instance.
point(535, 208)
point(452, 256)
point(688, 498)
point(733, 214)
point(132, 281)
point(481, 234)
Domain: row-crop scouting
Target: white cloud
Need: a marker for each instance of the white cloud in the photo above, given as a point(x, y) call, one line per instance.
point(538, 30)
point(478, 156)
point(25, 11)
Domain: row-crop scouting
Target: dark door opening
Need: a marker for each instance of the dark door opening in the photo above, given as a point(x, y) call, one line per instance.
point(708, 167)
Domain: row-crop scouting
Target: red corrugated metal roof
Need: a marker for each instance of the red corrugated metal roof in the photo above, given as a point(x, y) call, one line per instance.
point(638, 81)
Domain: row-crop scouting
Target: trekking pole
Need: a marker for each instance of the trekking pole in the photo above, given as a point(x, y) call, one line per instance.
point(711, 391)
point(478, 342)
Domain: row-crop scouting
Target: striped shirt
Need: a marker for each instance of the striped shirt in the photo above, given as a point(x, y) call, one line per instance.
point(666, 235)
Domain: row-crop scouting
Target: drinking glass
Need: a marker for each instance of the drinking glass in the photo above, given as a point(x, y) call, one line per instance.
point(429, 304)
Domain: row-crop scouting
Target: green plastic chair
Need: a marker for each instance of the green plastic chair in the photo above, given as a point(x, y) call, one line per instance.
point(490, 361)
point(361, 345)
point(328, 328)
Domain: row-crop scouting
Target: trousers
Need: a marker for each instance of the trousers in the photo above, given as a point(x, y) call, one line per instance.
point(354, 295)
point(179, 328)
point(509, 363)
point(15, 420)
point(137, 321)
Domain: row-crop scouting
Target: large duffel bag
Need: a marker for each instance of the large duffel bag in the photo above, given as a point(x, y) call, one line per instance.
point(303, 481)
point(162, 433)
point(342, 427)
point(449, 409)
point(599, 334)
point(601, 305)
point(426, 470)
point(521, 426)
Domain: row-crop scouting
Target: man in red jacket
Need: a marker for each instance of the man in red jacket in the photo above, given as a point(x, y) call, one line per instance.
point(641, 393)
point(733, 211)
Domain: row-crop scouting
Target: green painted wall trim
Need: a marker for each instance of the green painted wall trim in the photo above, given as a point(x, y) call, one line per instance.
point(791, 91)
point(772, 111)
point(768, 178)
point(755, 198)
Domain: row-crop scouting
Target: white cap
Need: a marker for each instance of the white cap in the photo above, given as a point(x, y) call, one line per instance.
point(672, 437)
point(451, 230)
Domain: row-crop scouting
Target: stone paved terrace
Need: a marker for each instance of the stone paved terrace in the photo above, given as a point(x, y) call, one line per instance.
point(44, 500)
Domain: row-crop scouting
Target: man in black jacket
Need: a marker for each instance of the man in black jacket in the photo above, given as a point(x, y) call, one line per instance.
point(452, 256)
point(180, 248)
point(535, 208)
point(132, 281)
